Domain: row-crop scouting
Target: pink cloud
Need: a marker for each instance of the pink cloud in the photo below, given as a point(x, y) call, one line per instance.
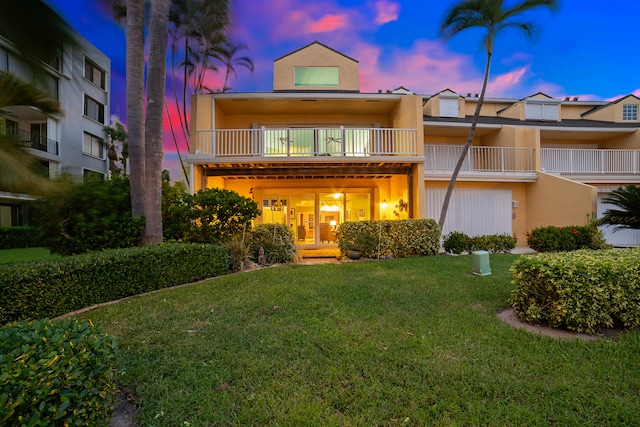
point(386, 11)
point(327, 23)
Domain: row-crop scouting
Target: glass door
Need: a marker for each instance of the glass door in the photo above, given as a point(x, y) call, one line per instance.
point(302, 218)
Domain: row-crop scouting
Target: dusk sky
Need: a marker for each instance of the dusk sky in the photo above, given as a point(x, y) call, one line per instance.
point(588, 48)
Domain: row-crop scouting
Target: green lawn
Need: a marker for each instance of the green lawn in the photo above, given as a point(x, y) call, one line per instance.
point(25, 254)
point(411, 342)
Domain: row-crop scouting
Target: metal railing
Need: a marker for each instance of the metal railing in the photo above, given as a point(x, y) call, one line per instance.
point(590, 161)
point(33, 141)
point(307, 142)
point(443, 158)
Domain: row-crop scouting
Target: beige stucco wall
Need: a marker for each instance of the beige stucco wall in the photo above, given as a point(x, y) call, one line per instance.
point(613, 112)
point(315, 55)
point(201, 117)
point(553, 200)
point(516, 111)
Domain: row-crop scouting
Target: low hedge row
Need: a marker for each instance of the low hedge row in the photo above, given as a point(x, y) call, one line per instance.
point(402, 238)
point(19, 237)
point(55, 374)
point(35, 290)
point(569, 238)
point(583, 291)
point(457, 242)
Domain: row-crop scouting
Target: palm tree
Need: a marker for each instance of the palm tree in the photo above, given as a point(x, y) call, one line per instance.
point(628, 216)
point(492, 16)
point(230, 59)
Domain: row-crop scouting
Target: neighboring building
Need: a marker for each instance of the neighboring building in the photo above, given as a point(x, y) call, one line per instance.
point(73, 143)
point(316, 152)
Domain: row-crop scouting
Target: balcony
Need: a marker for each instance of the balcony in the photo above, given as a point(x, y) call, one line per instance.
point(33, 141)
point(502, 163)
point(591, 164)
point(300, 143)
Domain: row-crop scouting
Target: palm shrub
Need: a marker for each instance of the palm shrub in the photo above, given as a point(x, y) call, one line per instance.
point(239, 253)
point(627, 199)
point(278, 243)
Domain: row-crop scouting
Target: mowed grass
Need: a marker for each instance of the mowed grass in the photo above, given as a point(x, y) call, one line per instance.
point(25, 254)
point(412, 342)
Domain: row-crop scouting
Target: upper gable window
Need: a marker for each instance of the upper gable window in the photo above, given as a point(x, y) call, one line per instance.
point(630, 112)
point(448, 107)
point(541, 111)
point(316, 76)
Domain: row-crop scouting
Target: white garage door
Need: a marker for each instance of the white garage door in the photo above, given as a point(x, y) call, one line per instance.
point(620, 238)
point(474, 212)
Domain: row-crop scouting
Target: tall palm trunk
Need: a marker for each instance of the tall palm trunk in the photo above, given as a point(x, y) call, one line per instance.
point(156, 84)
point(465, 149)
point(135, 103)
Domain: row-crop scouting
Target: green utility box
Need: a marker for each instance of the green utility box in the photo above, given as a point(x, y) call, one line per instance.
point(481, 266)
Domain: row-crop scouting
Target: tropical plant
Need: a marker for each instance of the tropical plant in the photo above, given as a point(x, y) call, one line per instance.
point(492, 16)
point(229, 57)
point(117, 137)
point(627, 199)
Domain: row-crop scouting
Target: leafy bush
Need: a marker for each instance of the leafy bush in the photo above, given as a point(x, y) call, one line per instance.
point(402, 238)
point(219, 214)
point(176, 211)
point(569, 238)
point(55, 374)
point(457, 242)
point(32, 290)
point(582, 290)
point(82, 217)
point(278, 243)
point(19, 237)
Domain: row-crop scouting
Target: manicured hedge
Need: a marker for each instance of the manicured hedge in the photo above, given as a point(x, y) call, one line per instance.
point(457, 242)
point(583, 291)
point(402, 238)
point(34, 290)
point(569, 238)
point(19, 237)
point(55, 374)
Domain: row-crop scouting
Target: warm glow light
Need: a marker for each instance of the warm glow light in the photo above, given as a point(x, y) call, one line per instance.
point(333, 223)
point(383, 205)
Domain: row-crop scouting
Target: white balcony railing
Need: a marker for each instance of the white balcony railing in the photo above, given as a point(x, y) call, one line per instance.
point(307, 142)
point(590, 161)
point(443, 158)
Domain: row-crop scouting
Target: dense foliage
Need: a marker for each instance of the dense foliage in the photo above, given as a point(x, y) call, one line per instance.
point(19, 237)
point(627, 200)
point(569, 238)
point(33, 290)
point(278, 243)
point(457, 242)
point(582, 290)
point(55, 374)
point(93, 215)
point(403, 238)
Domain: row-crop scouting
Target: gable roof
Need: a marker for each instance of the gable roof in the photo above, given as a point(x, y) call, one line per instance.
point(601, 107)
point(320, 44)
point(528, 97)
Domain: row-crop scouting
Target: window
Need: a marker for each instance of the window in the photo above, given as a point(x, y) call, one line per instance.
point(541, 111)
point(630, 112)
point(89, 176)
point(94, 74)
point(93, 109)
point(316, 76)
point(93, 145)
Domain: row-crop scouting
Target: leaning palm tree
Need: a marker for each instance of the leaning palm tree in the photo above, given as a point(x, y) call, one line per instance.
point(492, 16)
point(17, 166)
point(628, 216)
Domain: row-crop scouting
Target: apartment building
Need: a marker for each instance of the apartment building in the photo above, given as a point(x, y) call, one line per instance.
point(78, 77)
point(316, 152)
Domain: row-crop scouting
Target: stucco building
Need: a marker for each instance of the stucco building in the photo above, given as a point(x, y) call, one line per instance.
point(316, 152)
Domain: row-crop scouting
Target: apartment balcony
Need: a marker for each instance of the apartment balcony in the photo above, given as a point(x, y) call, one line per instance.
point(592, 165)
point(480, 164)
point(305, 144)
point(34, 141)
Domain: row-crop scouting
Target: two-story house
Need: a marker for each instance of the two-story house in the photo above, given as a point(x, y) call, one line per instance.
point(316, 152)
point(78, 77)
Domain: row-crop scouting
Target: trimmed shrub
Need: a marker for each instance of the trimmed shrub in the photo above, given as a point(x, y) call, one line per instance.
point(56, 374)
point(33, 290)
point(278, 243)
point(19, 237)
point(457, 242)
point(402, 238)
point(582, 290)
point(569, 238)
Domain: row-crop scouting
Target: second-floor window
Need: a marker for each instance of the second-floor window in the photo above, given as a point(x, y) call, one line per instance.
point(316, 76)
point(541, 111)
point(93, 145)
point(630, 112)
point(94, 74)
point(93, 109)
